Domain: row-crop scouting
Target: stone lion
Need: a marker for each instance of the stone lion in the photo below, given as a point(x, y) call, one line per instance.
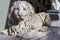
point(25, 22)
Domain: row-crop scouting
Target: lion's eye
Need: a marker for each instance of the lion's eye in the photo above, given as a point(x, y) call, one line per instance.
point(17, 8)
point(24, 8)
point(19, 15)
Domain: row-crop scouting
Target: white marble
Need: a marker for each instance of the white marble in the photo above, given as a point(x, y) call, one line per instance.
point(56, 4)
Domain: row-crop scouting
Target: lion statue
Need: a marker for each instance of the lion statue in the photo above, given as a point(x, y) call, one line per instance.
point(25, 22)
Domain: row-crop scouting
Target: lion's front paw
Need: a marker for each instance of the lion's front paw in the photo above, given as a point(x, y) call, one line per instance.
point(4, 32)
